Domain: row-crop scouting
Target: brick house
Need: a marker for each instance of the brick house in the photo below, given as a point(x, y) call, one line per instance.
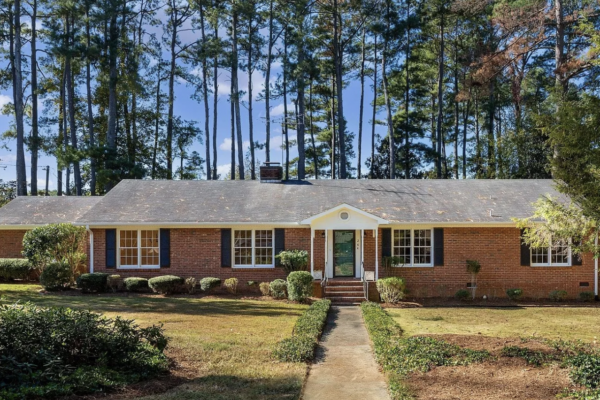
point(349, 227)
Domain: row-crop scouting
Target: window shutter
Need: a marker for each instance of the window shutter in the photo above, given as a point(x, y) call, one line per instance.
point(525, 252)
point(110, 237)
point(386, 242)
point(225, 248)
point(279, 244)
point(577, 259)
point(165, 248)
point(438, 247)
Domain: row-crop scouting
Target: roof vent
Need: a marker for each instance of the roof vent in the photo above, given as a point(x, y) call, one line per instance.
point(271, 172)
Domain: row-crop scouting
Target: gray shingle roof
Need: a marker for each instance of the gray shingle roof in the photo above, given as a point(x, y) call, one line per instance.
point(28, 210)
point(216, 202)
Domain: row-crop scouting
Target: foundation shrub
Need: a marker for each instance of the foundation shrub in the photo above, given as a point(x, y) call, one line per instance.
point(587, 296)
point(231, 285)
point(136, 284)
point(114, 283)
point(166, 284)
point(293, 260)
point(190, 285)
point(265, 288)
point(558, 295)
point(17, 268)
point(462, 294)
point(299, 285)
point(96, 282)
point(514, 294)
point(391, 289)
point(278, 288)
point(208, 284)
point(307, 331)
point(56, 276)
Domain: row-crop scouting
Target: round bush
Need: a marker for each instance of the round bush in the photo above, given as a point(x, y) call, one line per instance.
point(167, 284)
point(391, 289)
point(265, 288)
point(231, 285)
point(208, 284)
point(17, 268)
point(587, 296)
point(514, 294)
point(299, 285)
point(94, 282)
point(136, 284)
point(558, 295)
point(114, 282)
point(462, 294)
point(56, 276)
point(278, 288)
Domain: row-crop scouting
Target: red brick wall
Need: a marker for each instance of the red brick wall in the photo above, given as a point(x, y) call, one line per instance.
point(498, 250)
point(11, 243)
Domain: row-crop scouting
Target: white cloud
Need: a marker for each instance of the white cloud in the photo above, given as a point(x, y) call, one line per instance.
point(4, 100)
point(276, 142)
point(223, 170)
point(226, 145)
point(278, 109)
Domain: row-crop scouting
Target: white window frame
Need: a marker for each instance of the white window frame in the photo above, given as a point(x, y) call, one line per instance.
point(412, 246)
point(139, 247)
point(253, 265)
point(569, 262)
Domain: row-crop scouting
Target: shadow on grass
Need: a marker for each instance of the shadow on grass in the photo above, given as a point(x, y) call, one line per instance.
point(230, 387)
point(330, 325)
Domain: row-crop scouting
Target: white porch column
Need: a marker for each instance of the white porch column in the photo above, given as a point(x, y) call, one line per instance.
point(312, 251)
point(376, 254)
point(362, 254)
point(326, 251)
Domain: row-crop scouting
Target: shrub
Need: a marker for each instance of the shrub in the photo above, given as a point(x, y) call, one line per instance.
point(190, 285)
point(293, 260)
point(231, 285)
point(391, 289)
point(307, 331)
point(208, 284)
point(136, 284)
point(55, 352)
point(558, 295)
point(56, 242)
point(17, 268)
point(587, 296)
point(251, 283)
point(299, 285)
point(114, 282)
point(166, 284)
point(462, 294)
point(277, 288)
point(95, 282)
point(514, 294)
point(56, 276)
point(265, 288)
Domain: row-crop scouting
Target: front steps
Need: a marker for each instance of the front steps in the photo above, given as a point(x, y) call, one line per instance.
point(344, 291)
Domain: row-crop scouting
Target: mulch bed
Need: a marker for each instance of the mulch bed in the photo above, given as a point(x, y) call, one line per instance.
point(501, 379)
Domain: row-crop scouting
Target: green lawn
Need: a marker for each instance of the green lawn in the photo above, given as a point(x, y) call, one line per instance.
point(548, 322)
point(222, 345)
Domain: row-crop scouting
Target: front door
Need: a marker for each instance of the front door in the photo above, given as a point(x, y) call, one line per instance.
point(343, 253)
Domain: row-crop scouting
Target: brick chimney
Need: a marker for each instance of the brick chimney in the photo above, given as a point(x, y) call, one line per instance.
point(271, 172)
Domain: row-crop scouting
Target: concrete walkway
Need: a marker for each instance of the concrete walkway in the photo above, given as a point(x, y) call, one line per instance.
point(345, 367)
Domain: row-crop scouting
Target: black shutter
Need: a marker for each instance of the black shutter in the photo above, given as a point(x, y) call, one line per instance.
point(279, 244)
point(525, 252)
point(111, 248)
point(226, 248)
point(386, 242)
point(577, 259)
point(438, 247)
point(165, 248)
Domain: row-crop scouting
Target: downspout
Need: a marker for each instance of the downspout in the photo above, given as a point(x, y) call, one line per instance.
point(87, 228)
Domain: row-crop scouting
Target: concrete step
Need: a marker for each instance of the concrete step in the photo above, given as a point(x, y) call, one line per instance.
point(347, 300)
point(344, 288)
point(351, 293)
point(344, 283)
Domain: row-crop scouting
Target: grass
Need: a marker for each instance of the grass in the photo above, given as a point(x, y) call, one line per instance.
point(569, 323)
point(223, 346)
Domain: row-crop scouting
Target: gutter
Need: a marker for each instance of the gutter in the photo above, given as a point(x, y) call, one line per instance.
point(87, 228)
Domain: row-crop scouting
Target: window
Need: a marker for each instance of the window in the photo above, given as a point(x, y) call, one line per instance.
point(413, 246)
point(558, 253)
point(253, 248)
point(138, 249)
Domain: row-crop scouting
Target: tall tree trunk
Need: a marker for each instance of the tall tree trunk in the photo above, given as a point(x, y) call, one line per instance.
point(478, 166)
point(456, 114)
point(236, 97)
point(71, 97)
point(388, 104)
point(337, 61)
point(559, 48)
point(362, 105)
point(232, 109)
point(174, 22)
point(111, 133)
point(285, 110)
point(157, 121)
point(61, 135)
point(301, 126)
point(407, 98)
point(18, 91)
point(34, 101)
point(490, 134)
point(66, 136)
point(440, 99)
point(374, 116)
point(312, 133)
point(464, 138)
point(205, 96)
point(250, 119)
point(270, 45)
point(215, 97)
point(333, 141)
point(90, 115)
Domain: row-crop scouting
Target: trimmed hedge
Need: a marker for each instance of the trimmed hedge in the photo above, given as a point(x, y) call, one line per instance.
point(17, 268)
point(514, 294)
point(95, 282)
point(55, 352)
point(208, 284)
point(587, 296)
point(56, 276)
point(299, 285)
point(166, 284)
point(391, 289)
point(136, 284)
point(307, 331)
point(462, 294)
point(278, 288)
point(558, 295)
